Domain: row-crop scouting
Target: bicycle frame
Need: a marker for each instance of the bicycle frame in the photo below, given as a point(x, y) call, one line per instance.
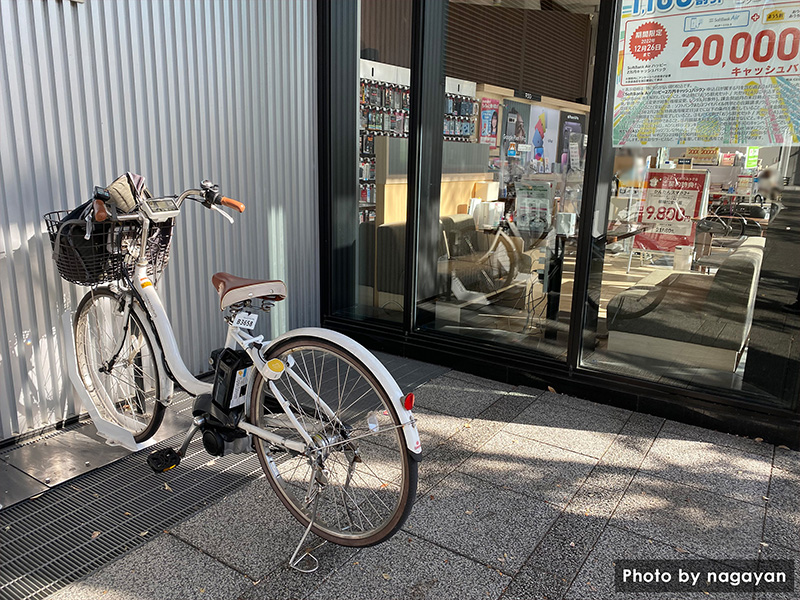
point(168, 354)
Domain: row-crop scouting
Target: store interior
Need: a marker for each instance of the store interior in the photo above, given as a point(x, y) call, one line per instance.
point(693, 257)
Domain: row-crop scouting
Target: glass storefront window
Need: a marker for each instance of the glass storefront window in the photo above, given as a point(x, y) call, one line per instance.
point(696, 246)
point(378, 209)
point(514, 132)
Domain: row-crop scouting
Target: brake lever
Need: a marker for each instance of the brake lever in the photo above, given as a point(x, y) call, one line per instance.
point(223, 213)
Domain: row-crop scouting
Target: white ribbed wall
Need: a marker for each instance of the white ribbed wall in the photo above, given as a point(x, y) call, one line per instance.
point(177, 90)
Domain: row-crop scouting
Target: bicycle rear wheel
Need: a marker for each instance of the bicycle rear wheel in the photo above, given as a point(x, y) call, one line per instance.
point(116, 363)
point(370, 480)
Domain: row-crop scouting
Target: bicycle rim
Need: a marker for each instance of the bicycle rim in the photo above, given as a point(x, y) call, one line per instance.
point(370, 480)
point(117, 365)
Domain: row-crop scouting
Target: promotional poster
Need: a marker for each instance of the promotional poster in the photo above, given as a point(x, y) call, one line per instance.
point(490, 121)
point(516, 124)
point(716, 73)
point(570, 123)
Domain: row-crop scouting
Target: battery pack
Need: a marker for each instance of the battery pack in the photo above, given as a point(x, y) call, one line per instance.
point(231, 379)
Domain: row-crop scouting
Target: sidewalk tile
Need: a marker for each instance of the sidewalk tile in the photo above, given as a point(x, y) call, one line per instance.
point(595, 581)
point(788, 460)
point(456, 397)
point(493, 526)
point(409, 567)
point(699, 521)
point(164, 568)
point(284, 583)
point(435, 428)
point(620, 463)
point(251, 529)
point(589, 433)
point(511, 404)
point(729, 471)
point(469, 435)
point(586, 405)
point(691, 432)
point(782, 525)
point(564, 548)
point(773, 552)
point(531, 584)
point(530, 467)
point(497, 386)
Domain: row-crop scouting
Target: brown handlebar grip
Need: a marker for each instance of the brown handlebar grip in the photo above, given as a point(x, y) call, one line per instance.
point(231, 203)
point(100, 212)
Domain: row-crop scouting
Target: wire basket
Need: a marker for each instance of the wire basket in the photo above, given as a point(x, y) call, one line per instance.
point(110, 252)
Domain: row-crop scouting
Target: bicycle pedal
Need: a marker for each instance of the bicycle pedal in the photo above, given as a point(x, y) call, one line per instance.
point(163, 460)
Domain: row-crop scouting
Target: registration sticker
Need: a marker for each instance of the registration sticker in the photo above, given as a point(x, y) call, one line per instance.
point(245, 320)
point(239, 388)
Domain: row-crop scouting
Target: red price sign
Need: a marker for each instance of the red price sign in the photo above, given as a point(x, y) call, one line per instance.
point(671, 199)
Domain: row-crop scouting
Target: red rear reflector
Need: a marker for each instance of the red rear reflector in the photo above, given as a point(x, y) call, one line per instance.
point(409, 402)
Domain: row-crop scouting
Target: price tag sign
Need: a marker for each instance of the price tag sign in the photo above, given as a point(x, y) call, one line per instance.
point(245, 320)
point(672, 198)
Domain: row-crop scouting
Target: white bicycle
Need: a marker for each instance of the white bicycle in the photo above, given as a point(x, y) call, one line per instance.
point(335, 435)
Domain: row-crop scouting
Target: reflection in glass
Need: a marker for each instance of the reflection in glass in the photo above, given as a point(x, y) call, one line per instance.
point(513, 157)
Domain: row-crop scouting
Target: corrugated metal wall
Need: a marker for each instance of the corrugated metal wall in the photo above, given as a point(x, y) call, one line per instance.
point(177, 91)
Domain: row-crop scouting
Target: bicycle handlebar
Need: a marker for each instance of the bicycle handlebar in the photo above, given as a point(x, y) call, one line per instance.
point(231, 203)
point(208, 196)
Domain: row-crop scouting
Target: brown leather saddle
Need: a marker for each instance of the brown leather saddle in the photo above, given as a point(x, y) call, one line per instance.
point(233, 289)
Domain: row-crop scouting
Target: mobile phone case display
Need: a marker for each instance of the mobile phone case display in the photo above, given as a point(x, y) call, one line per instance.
point(460, 118)
point(384, 108)
point(384, 112)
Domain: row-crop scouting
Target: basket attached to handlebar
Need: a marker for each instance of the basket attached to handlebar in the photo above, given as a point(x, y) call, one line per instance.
point(109, 253)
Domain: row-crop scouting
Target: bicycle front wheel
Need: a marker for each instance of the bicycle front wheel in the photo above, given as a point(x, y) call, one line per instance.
point(116, 363)
point(368, 478)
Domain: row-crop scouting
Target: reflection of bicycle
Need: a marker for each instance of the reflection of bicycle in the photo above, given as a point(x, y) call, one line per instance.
point(727, 226)
point(335, 435)
point(479, 271)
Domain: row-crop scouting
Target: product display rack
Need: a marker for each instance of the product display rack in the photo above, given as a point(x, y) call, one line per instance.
point(460, 118)
point(384, 113)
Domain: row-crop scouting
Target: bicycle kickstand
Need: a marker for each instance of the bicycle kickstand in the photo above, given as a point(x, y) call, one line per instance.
point(294, 561)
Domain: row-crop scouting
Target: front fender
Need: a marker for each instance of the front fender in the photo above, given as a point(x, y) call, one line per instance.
point(377, 368)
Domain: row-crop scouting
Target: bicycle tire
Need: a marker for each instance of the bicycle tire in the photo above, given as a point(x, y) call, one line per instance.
point(129, 393)
point(386, 474)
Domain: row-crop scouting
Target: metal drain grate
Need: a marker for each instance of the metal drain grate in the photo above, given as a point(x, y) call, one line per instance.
point(53, 539)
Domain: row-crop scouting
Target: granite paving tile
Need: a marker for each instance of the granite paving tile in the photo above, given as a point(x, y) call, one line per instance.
point(775, 552)
point(511, 404)
point(497, 386)
point(472, 517)
point(587, 405)
point(788, 460)
point(782, 525)
point(250, 528)
point(620, 463)
point(566, 545)
point(589, 433)
point(164, 568)
point(595, 581)
point(409, 567)
point(531, 584)
point(530, 467)
point(691, 432)
point(729, 471)
point(699, 521)
point(456, 397)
